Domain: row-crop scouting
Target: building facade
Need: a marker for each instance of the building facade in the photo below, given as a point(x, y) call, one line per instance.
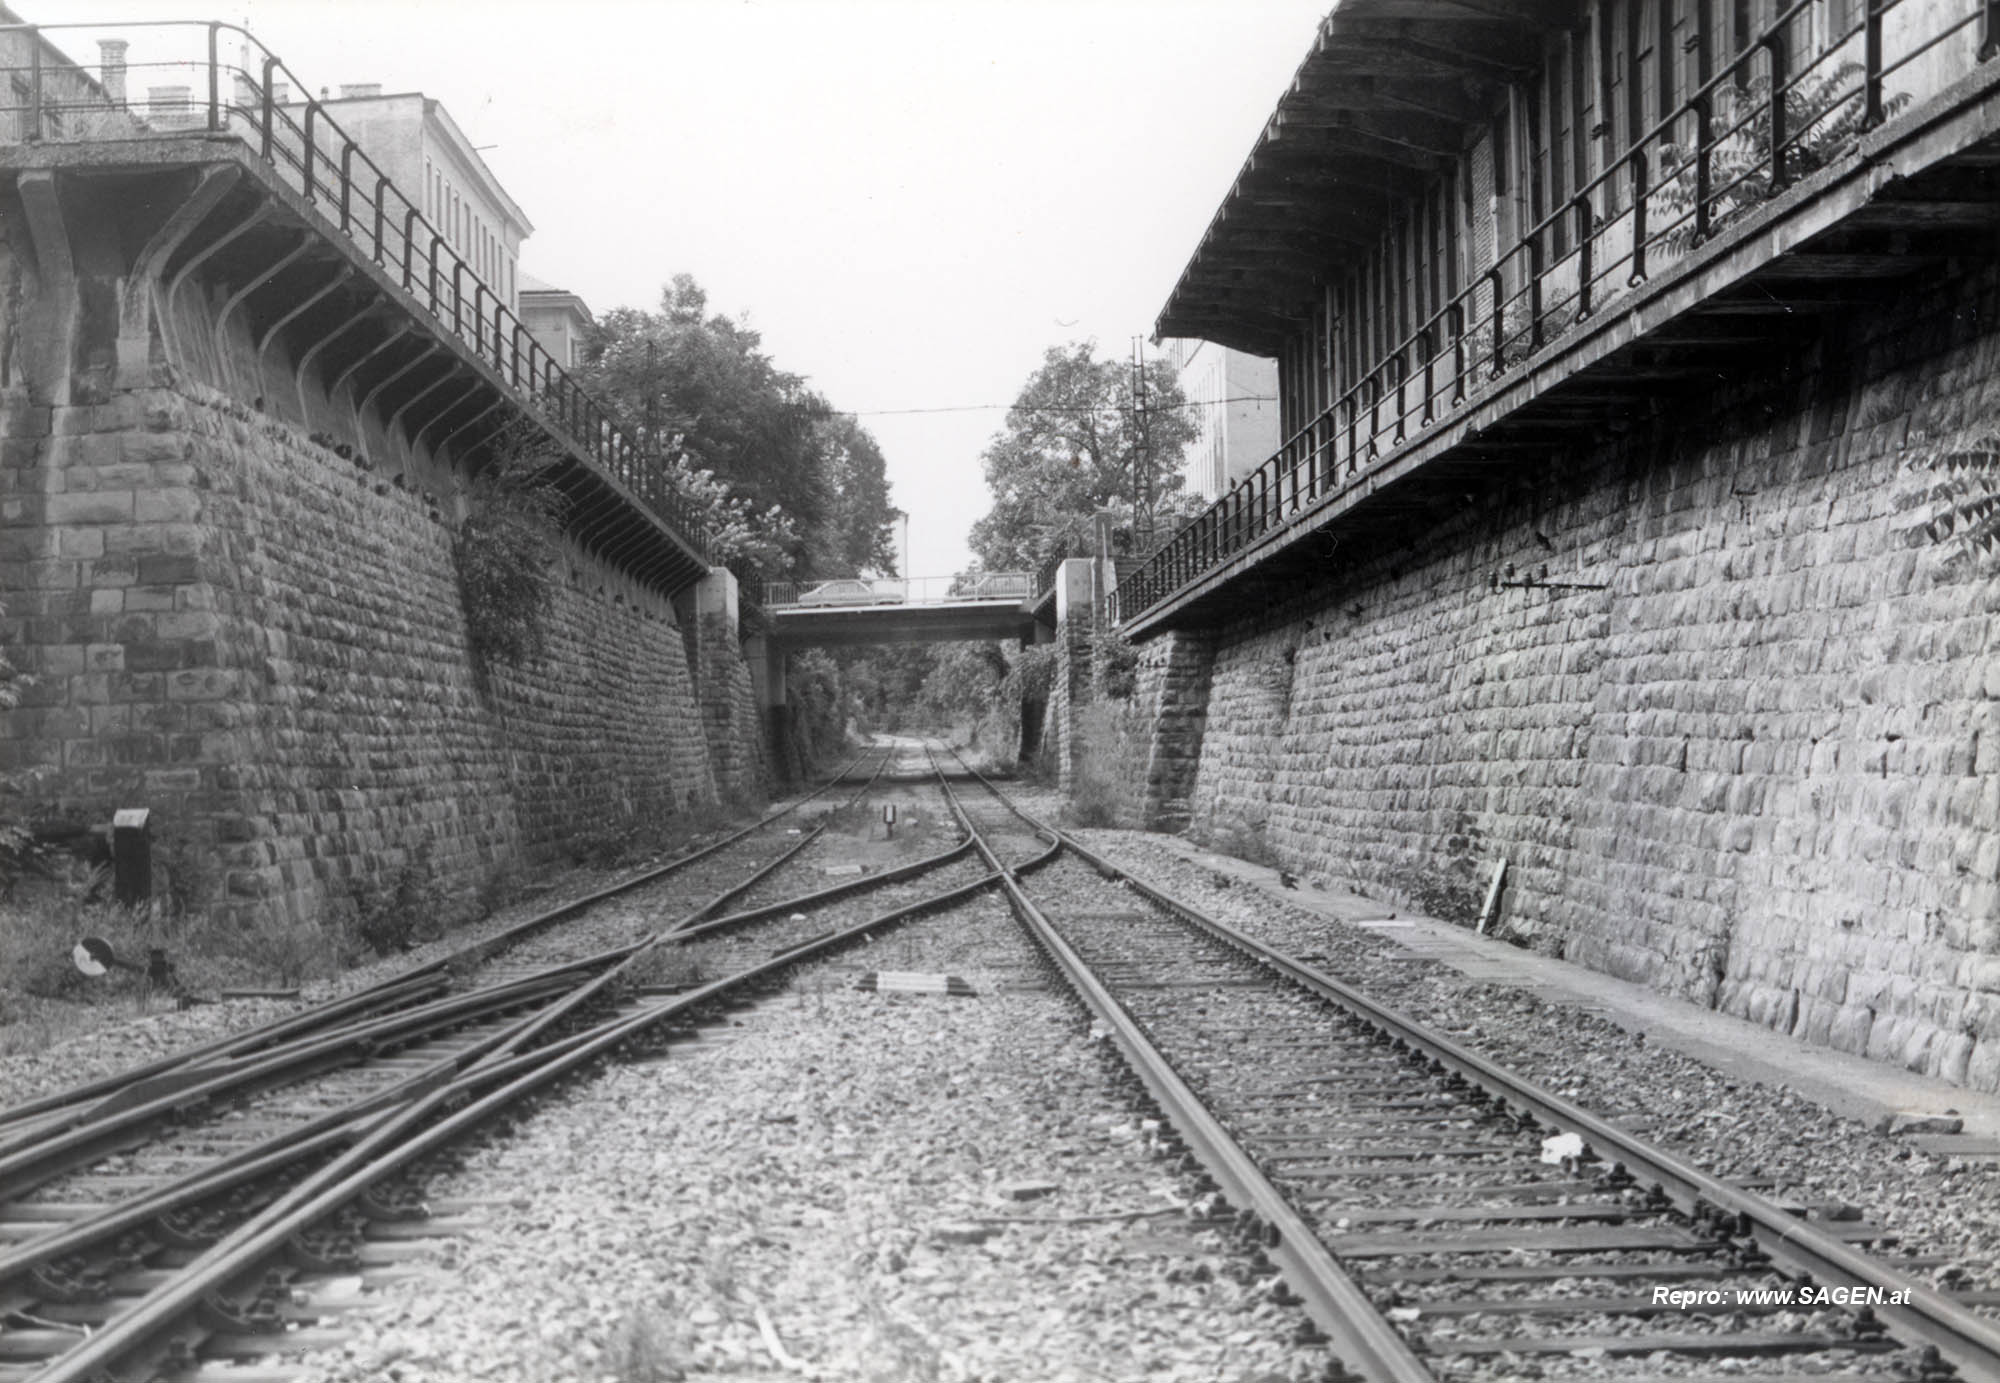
point(1234, 400)
point(557, 318)
point(413, 138)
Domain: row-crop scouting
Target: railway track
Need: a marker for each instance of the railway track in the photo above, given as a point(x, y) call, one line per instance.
point(1435, 1216)
point(136, 1211)
point(1440, 1217)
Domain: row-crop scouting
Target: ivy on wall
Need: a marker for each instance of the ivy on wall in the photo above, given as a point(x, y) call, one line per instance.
point(506, 553)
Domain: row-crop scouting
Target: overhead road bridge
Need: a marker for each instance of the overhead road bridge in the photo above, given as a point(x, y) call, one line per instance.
point(854, 611)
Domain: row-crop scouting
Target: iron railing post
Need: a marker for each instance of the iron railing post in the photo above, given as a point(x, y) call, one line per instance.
point(1455, 318)
point(214, 76)
point(1498, 282)
point(33, 133)
point(1704, 159)
point(1400, 362)
point(1774, 44)
point(1989, 29)
point(1642, 188)
point(1873, 111)
point(312, 111)
point(1428, 344)
point(410, 248)
point(265, 109)
point(346, 186)
point(1536, 268)
point(1586, 256)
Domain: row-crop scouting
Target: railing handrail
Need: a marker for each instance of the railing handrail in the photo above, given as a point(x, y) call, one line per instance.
point(906, 590)
point(580, 418)
point(1181, 559)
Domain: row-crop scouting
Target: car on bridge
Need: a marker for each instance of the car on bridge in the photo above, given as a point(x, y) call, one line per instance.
point(855, 590)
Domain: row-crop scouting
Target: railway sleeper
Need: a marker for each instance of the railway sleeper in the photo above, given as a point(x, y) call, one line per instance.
point(1718, 1344)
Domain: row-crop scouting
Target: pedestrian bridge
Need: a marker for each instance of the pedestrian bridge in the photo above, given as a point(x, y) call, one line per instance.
point(855, 610)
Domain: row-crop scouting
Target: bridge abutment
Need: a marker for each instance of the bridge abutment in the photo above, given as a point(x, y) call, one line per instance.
point(1071, 688)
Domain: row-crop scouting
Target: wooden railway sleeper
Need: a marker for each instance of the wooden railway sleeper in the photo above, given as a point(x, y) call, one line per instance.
point(324, 1250)
point(392, 1202)
point(259, 1315)
point(70, 1283)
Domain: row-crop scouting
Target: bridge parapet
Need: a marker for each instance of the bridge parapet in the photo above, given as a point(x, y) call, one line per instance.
point(1010, 587)
point(240, 109)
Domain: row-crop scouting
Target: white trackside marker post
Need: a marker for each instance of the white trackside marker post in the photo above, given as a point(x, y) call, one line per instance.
point(889, 821)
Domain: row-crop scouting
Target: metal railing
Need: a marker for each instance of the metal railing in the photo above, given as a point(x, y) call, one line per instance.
point(897, 590)
point(56, 100)
point(1767, 117)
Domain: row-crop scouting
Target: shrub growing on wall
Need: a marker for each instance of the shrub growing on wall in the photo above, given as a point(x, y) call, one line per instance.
point(506, 552)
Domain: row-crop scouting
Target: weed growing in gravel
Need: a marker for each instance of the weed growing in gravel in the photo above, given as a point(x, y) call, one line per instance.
point(1107, 786)
point(668, 967)
point(650, 1344)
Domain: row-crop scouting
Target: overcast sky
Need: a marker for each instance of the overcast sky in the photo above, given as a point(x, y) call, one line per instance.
point(911, 201)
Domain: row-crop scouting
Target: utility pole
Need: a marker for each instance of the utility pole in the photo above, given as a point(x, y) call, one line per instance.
point(1142, 450)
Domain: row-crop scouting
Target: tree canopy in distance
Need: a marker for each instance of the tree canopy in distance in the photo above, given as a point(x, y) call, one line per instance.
point(789, 487)
point(1084, 435)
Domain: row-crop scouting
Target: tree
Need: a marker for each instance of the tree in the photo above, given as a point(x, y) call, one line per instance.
point(789, 486)
point(1075, 443)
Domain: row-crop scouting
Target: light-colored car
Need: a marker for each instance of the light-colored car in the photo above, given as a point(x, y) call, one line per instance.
point(855, 590)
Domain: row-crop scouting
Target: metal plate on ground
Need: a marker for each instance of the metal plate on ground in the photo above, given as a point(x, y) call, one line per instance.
point(915, 982)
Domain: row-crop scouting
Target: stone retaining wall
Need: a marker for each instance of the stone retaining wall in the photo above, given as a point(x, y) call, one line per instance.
point(1757, 769)
point(263, 642)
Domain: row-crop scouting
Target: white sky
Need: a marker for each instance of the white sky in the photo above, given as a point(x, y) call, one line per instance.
point(911, 201)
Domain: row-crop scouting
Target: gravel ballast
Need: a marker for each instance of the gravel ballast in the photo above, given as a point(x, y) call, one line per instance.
point(852, 1186)
point(807, 1194)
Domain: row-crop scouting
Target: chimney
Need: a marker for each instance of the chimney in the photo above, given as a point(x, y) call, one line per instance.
point(111, 69)
point(359, 91)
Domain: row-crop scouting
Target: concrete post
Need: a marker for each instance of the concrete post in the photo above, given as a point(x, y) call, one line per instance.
point(1070, 690)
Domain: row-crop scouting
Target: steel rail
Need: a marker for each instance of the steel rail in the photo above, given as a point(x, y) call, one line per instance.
point(1965, 1339)
point(407, 1133)
point(397, 988)
point(1968, 1341)
point(234, 1044)
point(30, 1164)
point(1366, 1342)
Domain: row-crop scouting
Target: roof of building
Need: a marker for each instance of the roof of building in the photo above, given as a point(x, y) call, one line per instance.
point(1392, 92)
point(550, 296)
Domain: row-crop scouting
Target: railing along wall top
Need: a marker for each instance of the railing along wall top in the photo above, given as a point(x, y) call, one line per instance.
point(1764, 118)
point(58, 101)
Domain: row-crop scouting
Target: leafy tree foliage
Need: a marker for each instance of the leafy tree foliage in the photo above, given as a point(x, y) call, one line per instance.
point(790, 486)
point(1074, 443)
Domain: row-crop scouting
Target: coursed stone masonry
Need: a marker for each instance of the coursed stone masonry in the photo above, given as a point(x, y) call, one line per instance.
point(1760, 768)
point(263, 641)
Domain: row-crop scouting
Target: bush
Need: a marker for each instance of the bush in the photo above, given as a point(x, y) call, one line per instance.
point(505, 553)
point(404, 913)
point(1108, 781)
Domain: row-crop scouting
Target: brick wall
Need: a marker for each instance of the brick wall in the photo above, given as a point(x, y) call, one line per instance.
point(1757, 769)
point(264, 642)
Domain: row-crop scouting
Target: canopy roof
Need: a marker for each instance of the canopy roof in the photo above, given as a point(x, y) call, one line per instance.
point(1392, 93)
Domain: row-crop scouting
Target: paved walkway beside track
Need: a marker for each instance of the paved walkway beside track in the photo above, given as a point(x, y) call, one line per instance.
point(1869, 1091)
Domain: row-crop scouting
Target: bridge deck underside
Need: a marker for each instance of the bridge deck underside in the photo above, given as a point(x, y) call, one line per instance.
point(856, 626)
